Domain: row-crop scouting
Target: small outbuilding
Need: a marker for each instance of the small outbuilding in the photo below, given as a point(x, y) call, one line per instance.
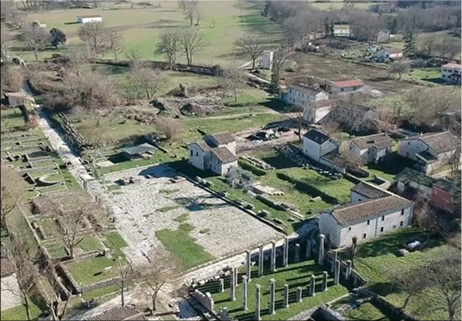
point(138, 151)
point(16, 99)
point(89, 19)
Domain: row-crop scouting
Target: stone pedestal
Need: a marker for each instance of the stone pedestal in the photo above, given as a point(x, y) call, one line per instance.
point(334, 259)
point(337, 272)
point(308, 250)
point(348, 270)
point(244, 292)
point(312, 285)
point(232, 285)
point(299, 296)
point(260, 261)
point(286, 252)
point(286, 296)
point(248, 265)
point(221, 285)
point(273, 256)
point(272, 296)
point(321, 249)
point(324, 281)
point(297, 253)
point(257, 302)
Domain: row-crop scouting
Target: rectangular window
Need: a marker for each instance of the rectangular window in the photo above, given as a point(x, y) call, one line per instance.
point(394, 226)
point(383, 218)
point(191, 152)
point(197, 154)
point(349, 229)
point(409, 143)
point(381, 229)
point(401, 223)
point(368, 222)
point(364, 235)
point(402, 211)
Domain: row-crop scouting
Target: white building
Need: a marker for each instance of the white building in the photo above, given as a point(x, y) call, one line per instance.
point(368, 217)
point(345, 86)
point(89, 19)
point(317, 144)
point(342, 30)
point(364, 191)
point(430, 151)
point(216, 153)
point(267, 60)
point(388, 53)
point(370, 149)
point(310, 99)
point(451, 72)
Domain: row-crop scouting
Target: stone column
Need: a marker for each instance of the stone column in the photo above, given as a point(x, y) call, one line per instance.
point(221, 285)
point(257, 301)
point(224, 314)
point(308, 250)
point(260, 261)
point(324, 281)
point(321, 249)
point(348, 270)
point(232, 285)
point(286, 296)
point(297, 253)
point(286, 252)
point(272, 296)
point(248, 265)
point(244, 292)
point(312, 285)
point(273, 256)
point(337, 272)
point(299, 297)
point(236, 278)
point(334, 259)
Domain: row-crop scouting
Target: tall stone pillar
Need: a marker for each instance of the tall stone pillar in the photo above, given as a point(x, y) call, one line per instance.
point(272, 296)
point(297, 253)
point(334, 259)
point(312, 285)
point(248, 265)
point(299, 297)
point(236, 278)
point(337, 272)
point(232, 285)
point(286, 296)
point(286, 252)
point(324, 281)
point(260, 261)
point(221, 285)
point(273, 256)
point(321, 249)
point(308, 250)
point(348, 270)
point(257, 302)
point(244, 292)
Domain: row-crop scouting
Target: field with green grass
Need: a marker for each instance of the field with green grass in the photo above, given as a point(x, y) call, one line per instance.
point(19, 312)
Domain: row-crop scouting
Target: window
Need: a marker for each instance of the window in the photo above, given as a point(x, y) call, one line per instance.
point(364, 235)
point(409, 143)
point(191, 152)
point(401, 223)
point(349, 229)
point(394, 226)
point(368, 222)
point(381, 229)
point(402, 211)
point(341, 89)
point(359, 200)
point(197, 154)
point(383, 218)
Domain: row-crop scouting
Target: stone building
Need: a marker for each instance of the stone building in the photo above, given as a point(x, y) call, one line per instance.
point(316, 144)
point(373, 212)
point(16, 99)
point(430, 151)
point(216, 153)
point(354, 118)
point(387, 54)
point(313, 101)
point(344, 86)
point(370, 149)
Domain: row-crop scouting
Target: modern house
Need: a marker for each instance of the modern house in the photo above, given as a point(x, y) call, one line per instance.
point(378, 214)
point(451, 73)
point(342, 29)
point(430, 151)
point(89, 19)
point(313, 101)
point(370, 149)
point(387, 54)
point(16, 99)
point(138, 151)
point(440, 192)
point(345, 86)
point(119, 314)
point(216, 153)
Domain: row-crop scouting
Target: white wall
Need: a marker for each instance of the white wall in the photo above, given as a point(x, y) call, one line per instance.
point(311, 149)
point(329, 226)
point(89, 20)
point(408, 148)
point(329, 146)
point(303, 98)
point(447, 72)
point(267, 60)
point(337, 90)
point(196, 157)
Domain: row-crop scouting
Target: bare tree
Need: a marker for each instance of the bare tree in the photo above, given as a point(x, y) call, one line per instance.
point(133, 55)
point(233, 79)
point(280, 57)
point(114, 40)
point(411, 281)
point(331, 127)
point(428, 44)
point(298, 112)
point(169, 45)
point(26, 274)
point(189, 13)
point(12, 191)
point(452, 50)
point(146, 80)
point(95, 37)
point(161, 270)
point(199, 15)
point(5, 39)
point(125, 275)
point(171, 128)
point(36, 38)
point(252, 46)
point(12, 78)
point(192, 41)
point(399, 68)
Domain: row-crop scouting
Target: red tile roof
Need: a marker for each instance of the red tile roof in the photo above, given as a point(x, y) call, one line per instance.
point(349, 83)
point(453, 65)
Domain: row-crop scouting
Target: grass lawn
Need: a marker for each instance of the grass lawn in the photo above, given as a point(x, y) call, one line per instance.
point(115, 242)
point(295, 275)
point(12, 119)
point(377, 258)
point(431, 75)
point(389, 169)
point(366, 311)
point(183, 246)
point(19, 312)
point(89, 271)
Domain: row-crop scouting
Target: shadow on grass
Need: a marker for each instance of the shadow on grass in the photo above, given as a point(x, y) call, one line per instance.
point(187, 169)
point(276, 105)
point(279, 161)
point(393, 166)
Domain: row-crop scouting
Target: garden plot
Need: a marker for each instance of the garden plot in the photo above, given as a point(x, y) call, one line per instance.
point(184, 218)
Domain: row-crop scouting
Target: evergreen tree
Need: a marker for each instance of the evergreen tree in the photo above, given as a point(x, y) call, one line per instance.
point(410, 40)
point(392, 24)
point(57, 37)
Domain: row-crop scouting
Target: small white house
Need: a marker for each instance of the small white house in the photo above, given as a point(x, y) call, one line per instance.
point(370, 149)
point(89, 19)
point(430, 151)
point(345, 86)
point(451, 73)
point(309, 99)
point(388, 54)
point(365, 219)
point(267, 60)
point(317, 144)
point(342, 30)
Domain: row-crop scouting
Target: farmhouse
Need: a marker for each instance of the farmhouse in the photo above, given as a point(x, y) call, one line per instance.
point(342, 29)
point(17, 99)
point(216, 153)
point(354, 118)
point(430, 151)
point(138, 151)
point(370, 149)
point(313, 101)
point(365, 219)
point(451, 73)
point(316, 144)
point(119, 314)
point(89, 19)
point(346, 86)
point(388, 54)
point(439, 191)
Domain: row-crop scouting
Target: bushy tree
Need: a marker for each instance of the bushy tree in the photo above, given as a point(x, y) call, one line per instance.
point(57, 37)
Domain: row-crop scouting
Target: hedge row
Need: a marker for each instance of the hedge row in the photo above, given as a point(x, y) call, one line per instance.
point(304, 187)
point(252, 168)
